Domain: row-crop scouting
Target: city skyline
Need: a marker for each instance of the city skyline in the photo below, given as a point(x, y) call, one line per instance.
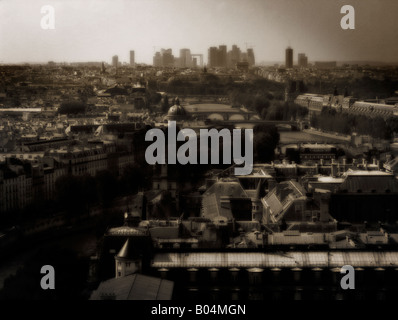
point(99, 29)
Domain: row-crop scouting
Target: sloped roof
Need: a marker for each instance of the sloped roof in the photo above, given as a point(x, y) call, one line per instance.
point(392, 164)
point(128, 250)
point(278, 201)
point(212, 198)
point(134, 287)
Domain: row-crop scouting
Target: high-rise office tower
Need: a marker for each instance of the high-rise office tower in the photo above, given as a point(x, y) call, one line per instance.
point(132, 58)
point(302, 60)
point(115, 61)
point(289, 58)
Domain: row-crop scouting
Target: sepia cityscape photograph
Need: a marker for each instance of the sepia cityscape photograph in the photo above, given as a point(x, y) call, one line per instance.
point(199, 151)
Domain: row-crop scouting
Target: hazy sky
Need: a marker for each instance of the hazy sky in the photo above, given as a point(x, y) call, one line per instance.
point(95, 30)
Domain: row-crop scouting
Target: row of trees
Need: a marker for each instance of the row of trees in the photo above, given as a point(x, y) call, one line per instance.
point(278, 110)
point(266, 139)
point(365, 88)
point(348, 123)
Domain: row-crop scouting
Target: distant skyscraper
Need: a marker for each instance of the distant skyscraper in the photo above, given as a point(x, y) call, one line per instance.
point(167, 58)
point(157, 59)
point(222, 56)
point(234, 56)
point(212, 57)
point(302, 60)
point(185, 58)
point(164, 58)
point(250, 57)
point(115, 61)
point(132, 58)
point(289, 58)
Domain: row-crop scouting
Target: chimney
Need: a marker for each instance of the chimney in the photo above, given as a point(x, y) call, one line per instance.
point(334, 169)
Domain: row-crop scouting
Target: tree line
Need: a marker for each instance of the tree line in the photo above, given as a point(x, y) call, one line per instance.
point(347, 123)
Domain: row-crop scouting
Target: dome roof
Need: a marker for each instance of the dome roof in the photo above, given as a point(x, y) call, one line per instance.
point(176, 110)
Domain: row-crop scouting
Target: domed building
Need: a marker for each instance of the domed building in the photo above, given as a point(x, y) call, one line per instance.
point(176, 112)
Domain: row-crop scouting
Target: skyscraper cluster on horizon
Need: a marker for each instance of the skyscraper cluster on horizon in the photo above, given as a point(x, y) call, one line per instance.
point(217, 57)
point(302, 61)
point(220, 57)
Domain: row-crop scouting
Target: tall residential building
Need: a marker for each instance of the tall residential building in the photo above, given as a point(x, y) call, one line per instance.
point(132, 58)
point(115, 61)
point(302, 60)
point(289, 58)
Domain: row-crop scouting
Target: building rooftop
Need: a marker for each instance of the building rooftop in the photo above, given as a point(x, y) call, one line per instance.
point(369, 181)
point(134, 287)
point(323, 259)
point(125, 231)
point(212, 207)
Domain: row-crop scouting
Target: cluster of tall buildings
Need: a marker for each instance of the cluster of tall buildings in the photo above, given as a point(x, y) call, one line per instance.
point(302, 59)
point(220, 57)
point(217, 57)
point(116, 63)
point(165, 58)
